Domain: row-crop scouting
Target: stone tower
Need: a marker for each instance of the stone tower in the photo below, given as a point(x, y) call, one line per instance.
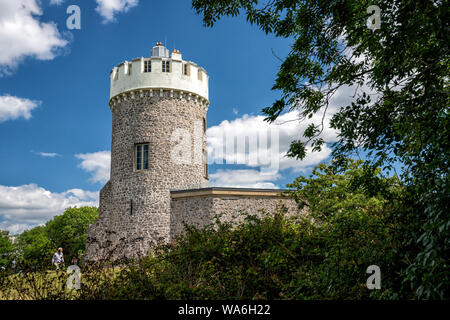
point(158, 107)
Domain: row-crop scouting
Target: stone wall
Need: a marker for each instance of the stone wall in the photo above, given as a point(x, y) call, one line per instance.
point(135, 205)
point(97, 232)
point(200, 207)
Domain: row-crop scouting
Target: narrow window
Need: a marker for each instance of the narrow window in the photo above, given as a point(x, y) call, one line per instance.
point(204, 125)
point(205, 164)
point(147, 66)
point(166, 66)
point(186, 69)
point(139, 157)
point(200, 75)
point(145, 158)
point(142, 156)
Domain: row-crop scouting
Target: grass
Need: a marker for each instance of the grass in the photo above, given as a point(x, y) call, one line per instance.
point(52, 284)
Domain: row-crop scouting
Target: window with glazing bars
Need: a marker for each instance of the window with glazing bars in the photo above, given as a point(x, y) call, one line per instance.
point(147, 66)
point(166, 66)
point(142, 156)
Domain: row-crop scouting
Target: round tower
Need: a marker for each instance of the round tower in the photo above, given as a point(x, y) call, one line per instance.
point(158, 107)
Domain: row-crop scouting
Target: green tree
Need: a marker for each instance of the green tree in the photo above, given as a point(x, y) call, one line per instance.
point(399, 114)
point(353, 209)
point(69, 230)
point(35, 249)
point(7, 250)
point(323, 255)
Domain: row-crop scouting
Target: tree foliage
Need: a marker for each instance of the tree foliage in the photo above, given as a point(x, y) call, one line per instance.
point(35, 249)
point(357, 205)
point(7, 250)
point(69, 229)
point(37, 245)
point(323, 255)
point(400, 109)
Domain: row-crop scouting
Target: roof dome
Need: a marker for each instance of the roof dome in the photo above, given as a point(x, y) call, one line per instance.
point(160, 51)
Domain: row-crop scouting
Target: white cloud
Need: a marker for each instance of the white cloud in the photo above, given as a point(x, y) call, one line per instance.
point(12, 108)
point(97, 163)
point(287, 128)
point(108, 8)
point(56, 2)
point(14, 228)
point(284, 130)
point(23, 35)
point(48, 154)
point(26, 206)
point(235, 111)
point(244, 178)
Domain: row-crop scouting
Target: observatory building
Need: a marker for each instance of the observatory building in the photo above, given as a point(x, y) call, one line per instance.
point(159, 170)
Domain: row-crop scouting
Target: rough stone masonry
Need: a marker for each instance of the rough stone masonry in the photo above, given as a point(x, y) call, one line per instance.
point(156, 103)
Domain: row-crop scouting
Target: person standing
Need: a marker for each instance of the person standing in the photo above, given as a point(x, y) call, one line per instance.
point(58, 258)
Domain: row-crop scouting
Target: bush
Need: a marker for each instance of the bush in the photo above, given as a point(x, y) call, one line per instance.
point(352, 224)
point(270, 257)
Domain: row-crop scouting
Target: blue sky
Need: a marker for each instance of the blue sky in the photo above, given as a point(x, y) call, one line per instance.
point(55, 123)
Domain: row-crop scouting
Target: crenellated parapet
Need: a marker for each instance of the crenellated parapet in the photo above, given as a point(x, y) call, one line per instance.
point(157, 74)
point(157, 92)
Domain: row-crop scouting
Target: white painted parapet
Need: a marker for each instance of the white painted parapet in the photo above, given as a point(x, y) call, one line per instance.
point(183, 77)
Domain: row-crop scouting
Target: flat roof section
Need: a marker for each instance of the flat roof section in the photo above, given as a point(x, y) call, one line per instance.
point(224, 191)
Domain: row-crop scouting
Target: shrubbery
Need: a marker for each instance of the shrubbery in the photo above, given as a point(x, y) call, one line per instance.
point(352, 224)
point(266, 258)
point(354, 221)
